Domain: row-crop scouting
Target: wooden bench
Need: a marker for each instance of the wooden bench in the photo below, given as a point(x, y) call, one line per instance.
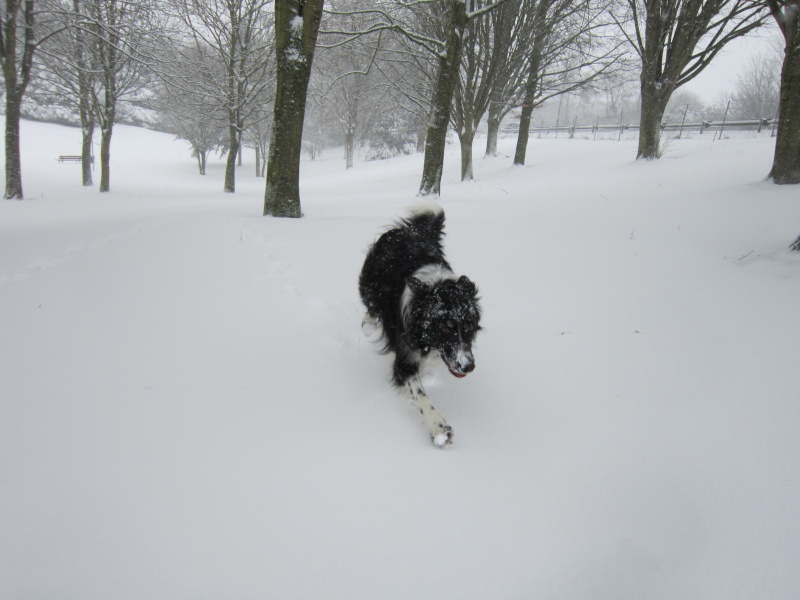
point(70, 158)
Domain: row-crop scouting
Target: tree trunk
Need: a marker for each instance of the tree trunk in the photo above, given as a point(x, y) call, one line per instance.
point(786, 163)
point(107, 113)
point(84, 99)
point(296, 27)
point(654, 101)
point(493, 131)
point(105, 157)
point(13, 163)
point(524, 131)
point(449, 62)
point(466, 139)
point(349, 148)
point(87, 134)
point(422, 131)
point(258, 160)
point(200, 153)
point(540, 36)
point(230, 164)
point(16, 55)
point(529, 102)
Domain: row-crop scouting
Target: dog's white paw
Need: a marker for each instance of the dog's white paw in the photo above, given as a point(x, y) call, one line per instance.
point(443, 438)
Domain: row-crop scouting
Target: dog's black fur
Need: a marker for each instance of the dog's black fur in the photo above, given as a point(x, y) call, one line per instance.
point(423, 309)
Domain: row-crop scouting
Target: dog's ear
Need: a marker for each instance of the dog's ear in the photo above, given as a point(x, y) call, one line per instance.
point(416, 286)
point(465, 283)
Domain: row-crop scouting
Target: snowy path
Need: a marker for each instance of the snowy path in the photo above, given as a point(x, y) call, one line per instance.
point(188, 408)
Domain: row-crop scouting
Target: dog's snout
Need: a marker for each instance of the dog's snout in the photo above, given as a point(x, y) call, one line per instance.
point(466, 362)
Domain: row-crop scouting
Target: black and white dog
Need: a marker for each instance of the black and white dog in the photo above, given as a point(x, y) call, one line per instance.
point(423, 309)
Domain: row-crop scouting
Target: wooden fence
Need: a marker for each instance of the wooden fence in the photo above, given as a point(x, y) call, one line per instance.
point(719, 127)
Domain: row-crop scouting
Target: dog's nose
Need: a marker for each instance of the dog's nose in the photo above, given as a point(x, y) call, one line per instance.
point(466, 362)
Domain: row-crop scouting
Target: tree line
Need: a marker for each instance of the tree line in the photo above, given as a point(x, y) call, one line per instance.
point(227, 73)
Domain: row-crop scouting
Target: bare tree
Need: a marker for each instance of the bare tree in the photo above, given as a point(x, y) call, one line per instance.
point(445, 45)
point(348, 89)
point(675, 40)
point(296, 27)
point(17, 45)
point(719, 107)
point(342, 83)
point(69, 70)
point(408, 74)
point(441, 104)
point(119, 34)
point(227, 58)
point(195, 119)
point(457, 16)
point(511, 28)
point(758, 88)
point(570, 48)
point(621, 94)
point(679, 102)
point(491, 64)
point(408, 77)
point(258, 133)
point(786, 164)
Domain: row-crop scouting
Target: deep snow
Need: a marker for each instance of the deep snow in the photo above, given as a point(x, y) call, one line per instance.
point(189, 409)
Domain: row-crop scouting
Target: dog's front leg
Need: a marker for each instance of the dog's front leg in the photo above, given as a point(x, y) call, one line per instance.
point(441, 433)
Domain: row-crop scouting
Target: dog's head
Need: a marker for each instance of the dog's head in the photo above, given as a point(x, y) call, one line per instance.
point(445, 317)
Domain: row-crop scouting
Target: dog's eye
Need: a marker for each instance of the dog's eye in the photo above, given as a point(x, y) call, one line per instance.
point(445, 329)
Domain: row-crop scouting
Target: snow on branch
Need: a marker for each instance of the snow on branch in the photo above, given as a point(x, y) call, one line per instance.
point(471, 14)
point(384, 22)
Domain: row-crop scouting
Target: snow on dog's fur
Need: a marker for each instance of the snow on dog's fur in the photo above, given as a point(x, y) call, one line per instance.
point(423, 309)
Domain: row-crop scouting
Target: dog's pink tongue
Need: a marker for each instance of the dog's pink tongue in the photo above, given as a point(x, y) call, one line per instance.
point(457, 374)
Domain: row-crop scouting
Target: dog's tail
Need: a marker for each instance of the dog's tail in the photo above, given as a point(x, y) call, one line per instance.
point(427, 219)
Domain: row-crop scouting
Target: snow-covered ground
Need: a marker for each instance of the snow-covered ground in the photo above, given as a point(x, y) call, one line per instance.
point(189, 409)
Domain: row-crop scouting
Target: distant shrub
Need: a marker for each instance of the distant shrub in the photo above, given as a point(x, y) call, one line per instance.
point(391, 137)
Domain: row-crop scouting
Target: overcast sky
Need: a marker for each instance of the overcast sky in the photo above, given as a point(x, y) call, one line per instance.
point(720, 76)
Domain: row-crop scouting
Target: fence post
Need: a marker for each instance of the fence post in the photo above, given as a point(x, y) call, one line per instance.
point(725, 116)
point(558, 116)
point(680, 131)
point(619, 137)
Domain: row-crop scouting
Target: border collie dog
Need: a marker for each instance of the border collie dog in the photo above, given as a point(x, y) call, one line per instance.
point(424, 310)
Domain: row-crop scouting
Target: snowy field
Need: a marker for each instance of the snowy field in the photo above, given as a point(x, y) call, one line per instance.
point(189, 410)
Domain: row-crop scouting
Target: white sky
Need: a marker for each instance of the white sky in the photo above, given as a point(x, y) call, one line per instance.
point(720, 76)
